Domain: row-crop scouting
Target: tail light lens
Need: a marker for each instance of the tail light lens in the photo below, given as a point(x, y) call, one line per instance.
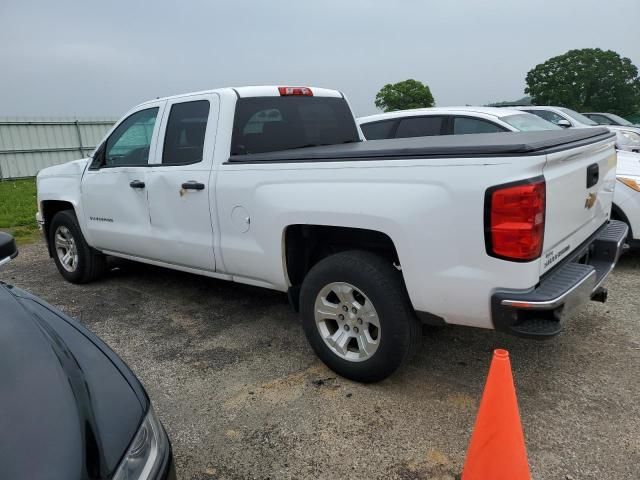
point(514, 220)
point(290, 91)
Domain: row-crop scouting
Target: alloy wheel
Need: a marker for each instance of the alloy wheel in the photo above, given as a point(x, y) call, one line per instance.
point(347, 321)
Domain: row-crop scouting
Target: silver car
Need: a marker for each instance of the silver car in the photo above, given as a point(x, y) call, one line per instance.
point(628, 137)
point(611, 119)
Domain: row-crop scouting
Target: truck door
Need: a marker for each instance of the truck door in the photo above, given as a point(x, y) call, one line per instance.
point(114, 195)
point(180, 197)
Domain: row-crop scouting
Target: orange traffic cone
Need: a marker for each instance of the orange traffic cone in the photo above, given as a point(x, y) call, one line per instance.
point(497, 450)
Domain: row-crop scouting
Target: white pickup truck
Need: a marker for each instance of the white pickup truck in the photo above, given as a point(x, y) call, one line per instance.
point(274, 187)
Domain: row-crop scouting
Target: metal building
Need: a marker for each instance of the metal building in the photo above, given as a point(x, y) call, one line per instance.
point(30, 144)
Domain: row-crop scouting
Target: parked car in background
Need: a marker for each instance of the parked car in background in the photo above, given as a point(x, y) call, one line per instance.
point(274, 187)
point(627, 138)
point(626, 206)
point(422, 122)
point(610, 119)
point(70, 408)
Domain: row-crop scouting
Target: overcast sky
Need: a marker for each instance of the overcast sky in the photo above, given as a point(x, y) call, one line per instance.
point(91, 58)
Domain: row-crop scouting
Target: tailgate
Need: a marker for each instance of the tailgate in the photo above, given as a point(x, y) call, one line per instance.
point(580, 183)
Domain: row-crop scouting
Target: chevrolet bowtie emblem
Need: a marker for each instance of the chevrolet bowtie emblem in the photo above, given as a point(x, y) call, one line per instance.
point(591, 200)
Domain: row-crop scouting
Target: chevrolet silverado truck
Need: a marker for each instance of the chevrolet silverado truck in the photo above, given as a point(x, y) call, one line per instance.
point(275, 187)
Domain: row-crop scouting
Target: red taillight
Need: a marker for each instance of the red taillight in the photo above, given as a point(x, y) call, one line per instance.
point(514, 220)
point(289, 91)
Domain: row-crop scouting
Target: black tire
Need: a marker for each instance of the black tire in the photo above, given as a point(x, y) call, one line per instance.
point(90, 265)
point(379, 281)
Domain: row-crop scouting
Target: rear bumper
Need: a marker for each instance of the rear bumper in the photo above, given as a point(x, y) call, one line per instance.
point(537, 313)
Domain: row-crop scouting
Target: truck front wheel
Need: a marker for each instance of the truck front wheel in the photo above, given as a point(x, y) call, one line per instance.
point(77, 262)
point(357, 316)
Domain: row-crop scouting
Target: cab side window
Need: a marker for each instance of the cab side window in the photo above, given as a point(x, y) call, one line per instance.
point(466, 125)
point(184, 137)
point(129, 143)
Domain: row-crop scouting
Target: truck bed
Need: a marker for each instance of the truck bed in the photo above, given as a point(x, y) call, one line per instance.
point(476, 145)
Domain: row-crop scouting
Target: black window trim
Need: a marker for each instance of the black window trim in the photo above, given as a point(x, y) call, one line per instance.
point(164, 139)
point(101, 150)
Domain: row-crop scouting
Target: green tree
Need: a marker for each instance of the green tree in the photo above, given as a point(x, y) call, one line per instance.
point(586, 80)
point(403, 95)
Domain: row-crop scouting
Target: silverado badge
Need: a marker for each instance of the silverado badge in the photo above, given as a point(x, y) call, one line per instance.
point(591, 200)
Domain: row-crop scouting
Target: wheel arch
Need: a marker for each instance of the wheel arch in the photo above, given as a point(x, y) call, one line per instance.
point(48, 209)
point(304, 245)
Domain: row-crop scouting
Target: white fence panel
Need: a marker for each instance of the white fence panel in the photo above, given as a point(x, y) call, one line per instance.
point(29, 144)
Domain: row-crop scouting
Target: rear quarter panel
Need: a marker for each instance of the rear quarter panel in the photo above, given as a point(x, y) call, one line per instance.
point(433, 210)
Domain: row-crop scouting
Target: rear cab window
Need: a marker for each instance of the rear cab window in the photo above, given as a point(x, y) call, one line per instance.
point(269, 124)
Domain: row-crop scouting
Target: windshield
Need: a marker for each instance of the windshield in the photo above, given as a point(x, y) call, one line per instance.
point(526, 122)
point(269, 124)
point(619, 120)
point(578, 116)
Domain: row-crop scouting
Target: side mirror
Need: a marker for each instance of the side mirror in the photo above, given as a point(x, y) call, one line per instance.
point(564, 123)
point(8, 249)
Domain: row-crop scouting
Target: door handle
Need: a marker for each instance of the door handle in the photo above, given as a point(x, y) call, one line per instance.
point(193, 185)
point(136, 184)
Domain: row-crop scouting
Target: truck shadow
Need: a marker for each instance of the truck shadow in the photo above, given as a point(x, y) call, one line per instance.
point(187, 287)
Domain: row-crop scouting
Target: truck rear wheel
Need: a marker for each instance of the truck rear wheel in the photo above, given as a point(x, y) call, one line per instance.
point(77, 262)
point(357, 316)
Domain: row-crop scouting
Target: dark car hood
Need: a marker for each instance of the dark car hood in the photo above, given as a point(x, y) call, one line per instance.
point(69, 407)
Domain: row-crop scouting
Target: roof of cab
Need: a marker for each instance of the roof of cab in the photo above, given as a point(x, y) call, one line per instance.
point(493, 111)
point(252, 91)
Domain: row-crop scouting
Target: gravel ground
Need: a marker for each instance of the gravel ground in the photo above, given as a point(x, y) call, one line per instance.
point(243, 396)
